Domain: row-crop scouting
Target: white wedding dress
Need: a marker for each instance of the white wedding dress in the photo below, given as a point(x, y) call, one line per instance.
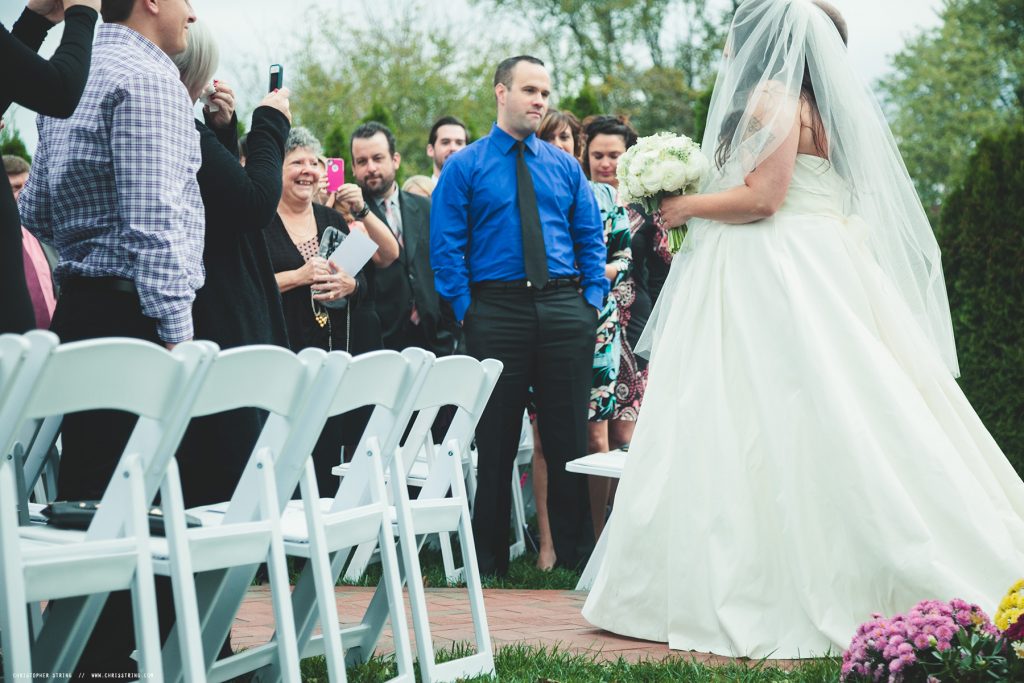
point(803, 457)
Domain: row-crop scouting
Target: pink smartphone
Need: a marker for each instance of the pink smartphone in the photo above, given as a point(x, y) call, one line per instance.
point(335, 174)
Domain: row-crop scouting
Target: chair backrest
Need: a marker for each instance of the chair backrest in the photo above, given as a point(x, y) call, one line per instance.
point(460, 381)
point(268, 377)
point(129, 375)
point(396, 381)
point(14, 349)
point(293, 388)
point(389, 382)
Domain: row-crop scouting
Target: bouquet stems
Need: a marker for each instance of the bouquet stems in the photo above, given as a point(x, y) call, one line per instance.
point(675, 239)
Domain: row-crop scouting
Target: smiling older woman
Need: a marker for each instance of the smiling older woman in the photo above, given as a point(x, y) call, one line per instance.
point(324, 306)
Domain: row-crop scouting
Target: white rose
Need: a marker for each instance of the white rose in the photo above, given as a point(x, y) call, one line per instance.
point(635, 187)
point(653, 178)
point(696, 167)
point(675, 176)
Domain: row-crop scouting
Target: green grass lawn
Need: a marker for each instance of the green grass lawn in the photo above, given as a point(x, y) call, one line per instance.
point(522, 574)
point(520, 663)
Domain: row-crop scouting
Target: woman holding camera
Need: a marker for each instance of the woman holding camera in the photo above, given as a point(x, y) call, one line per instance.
point(238, 305)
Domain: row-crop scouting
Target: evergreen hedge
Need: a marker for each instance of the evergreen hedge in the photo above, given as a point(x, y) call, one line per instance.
point(981, 232)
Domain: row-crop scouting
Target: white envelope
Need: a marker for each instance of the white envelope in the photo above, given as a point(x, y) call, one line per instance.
point(353, 253)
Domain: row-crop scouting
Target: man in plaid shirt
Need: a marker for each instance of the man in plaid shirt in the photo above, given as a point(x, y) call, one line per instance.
point(114, 189)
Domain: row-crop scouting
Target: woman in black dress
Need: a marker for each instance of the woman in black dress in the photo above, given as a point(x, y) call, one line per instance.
point(239, 303)
point(324, 307)
point(49, 87)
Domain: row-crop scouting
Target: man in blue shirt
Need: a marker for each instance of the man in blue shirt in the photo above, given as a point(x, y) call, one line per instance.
point(518, 249)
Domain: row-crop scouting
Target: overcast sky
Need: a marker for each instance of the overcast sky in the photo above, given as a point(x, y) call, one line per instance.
point(254, 31)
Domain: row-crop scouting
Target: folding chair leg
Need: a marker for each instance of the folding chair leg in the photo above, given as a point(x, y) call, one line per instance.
point(392, 580)
point(147, 629)
point(448, 558)
point(15, 637)
point(323, 577)
point(288, 649)
point(518, 516)
point(186, 605)
point(360, 561)
point(408, 552)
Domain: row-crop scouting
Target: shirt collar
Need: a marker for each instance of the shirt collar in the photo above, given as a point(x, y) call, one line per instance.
point(121, 35)
point(392, 197)
point(506, 143)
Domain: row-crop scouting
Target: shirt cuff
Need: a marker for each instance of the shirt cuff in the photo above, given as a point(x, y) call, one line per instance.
point(594, 294)
point(460, 305)
point(176, 327)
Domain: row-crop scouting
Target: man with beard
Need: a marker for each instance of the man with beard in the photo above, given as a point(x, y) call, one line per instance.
point(410, 311)
point(518, 249)
point(447, 136)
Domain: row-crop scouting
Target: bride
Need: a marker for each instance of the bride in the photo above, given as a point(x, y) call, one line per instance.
point(804, 456)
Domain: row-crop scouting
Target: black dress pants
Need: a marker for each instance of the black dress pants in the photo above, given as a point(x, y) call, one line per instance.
point(545, 340)
point(92, 445)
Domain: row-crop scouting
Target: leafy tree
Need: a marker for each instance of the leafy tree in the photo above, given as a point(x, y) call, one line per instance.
point(401, 72)
point(984, 266)
point(11, 143)
point(619, 55)
point(952, 85)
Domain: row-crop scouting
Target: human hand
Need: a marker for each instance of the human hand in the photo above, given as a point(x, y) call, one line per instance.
point(673, 212)
point(279, 101)
point(358, 226)
point(223, 99)
point(51, 10)
point(333, 285)
point(324, 197)
point(311, 270)
point(351, 195)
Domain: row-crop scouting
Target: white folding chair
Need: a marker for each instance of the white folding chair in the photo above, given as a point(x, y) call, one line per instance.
point(442, 507)
point(79, 569)
point(323, 531)
point(287, 440)
point(276, 380)
point(417, 476)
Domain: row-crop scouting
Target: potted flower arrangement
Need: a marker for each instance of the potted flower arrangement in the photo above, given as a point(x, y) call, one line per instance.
point(941, 642)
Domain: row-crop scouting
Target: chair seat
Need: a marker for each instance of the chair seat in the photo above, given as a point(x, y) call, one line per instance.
point(35, 513)
point(434, 515)
point(608, 464)
point(342, 529)
point(218, 546)
point(98, 566)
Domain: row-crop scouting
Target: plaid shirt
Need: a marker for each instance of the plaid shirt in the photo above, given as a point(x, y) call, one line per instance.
point(114, 187)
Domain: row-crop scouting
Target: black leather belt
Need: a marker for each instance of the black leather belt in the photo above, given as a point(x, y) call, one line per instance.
point(100, 284)
point(525, 285)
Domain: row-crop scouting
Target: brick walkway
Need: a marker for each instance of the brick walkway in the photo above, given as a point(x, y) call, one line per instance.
point(534, 617)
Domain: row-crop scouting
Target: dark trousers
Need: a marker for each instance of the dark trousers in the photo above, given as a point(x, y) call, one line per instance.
point(92, 445)
point(545, 340)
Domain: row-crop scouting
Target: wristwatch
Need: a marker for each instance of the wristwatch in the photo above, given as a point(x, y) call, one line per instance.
point(361, 213)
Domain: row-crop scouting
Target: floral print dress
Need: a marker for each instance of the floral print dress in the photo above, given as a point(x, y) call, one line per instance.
point(608, 343)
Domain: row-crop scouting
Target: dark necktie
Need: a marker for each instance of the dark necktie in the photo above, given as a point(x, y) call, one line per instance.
point(535, 257)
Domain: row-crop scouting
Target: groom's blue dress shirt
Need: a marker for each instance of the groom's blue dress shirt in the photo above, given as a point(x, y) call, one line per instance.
point(475, 232)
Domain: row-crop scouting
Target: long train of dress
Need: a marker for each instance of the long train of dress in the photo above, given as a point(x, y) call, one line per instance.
point(803, 458)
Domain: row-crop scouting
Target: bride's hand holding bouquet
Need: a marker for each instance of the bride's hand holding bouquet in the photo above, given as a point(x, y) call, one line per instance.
point(657, 173)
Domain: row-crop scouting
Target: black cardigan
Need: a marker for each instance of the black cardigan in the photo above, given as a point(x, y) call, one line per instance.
point(240, 304)
point(361, 313)
point(49, 87)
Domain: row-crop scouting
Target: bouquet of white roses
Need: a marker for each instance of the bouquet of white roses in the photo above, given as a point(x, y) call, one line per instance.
point(658, 166)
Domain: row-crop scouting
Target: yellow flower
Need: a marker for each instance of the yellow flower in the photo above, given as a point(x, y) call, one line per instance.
point(1011, 607)
point(1018, 649)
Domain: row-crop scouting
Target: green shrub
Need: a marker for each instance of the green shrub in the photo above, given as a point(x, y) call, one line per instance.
point(981, 231)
